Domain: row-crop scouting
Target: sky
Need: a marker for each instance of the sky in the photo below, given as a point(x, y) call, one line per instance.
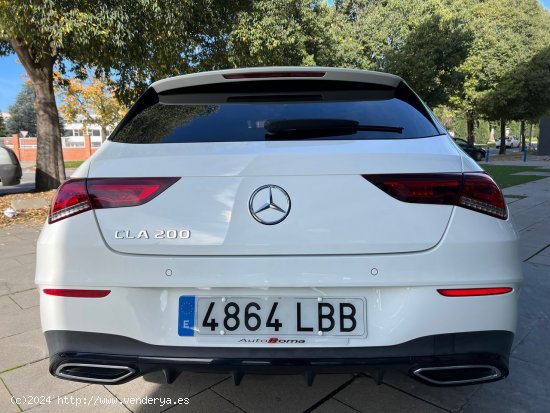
point(11, 79)
point(12, 76)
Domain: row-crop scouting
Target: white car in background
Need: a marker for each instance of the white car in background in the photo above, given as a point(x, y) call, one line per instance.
point(511, 142)
point(279, 220)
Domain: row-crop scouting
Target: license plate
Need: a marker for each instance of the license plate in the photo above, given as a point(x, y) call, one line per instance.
point(290, 316)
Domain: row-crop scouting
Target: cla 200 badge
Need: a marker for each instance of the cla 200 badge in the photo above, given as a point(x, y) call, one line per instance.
point(158, 234)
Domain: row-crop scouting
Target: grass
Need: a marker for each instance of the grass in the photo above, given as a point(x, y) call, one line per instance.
point(73, 164)
point(504, 174)
point(516, 196)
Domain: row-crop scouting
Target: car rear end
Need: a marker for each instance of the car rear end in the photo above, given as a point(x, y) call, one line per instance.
point(282, 220)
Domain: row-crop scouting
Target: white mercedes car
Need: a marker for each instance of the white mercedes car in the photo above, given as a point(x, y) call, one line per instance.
point(279, 220)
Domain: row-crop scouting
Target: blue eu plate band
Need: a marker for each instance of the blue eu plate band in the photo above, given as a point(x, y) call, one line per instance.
point(186, 319)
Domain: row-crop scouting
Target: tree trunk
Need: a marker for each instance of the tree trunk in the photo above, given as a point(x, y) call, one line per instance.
point(103, 133)
point(50, 171)
point(522, 135)
point(60, 160)
point(471, 126)
point(502, 150)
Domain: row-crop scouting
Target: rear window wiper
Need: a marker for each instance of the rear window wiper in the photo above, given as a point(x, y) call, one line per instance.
point(317, 128)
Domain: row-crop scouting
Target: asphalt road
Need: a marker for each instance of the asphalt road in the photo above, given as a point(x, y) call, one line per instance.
point(27, 183)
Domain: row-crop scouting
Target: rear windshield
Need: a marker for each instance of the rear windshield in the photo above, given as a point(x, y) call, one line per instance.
point(216, 115)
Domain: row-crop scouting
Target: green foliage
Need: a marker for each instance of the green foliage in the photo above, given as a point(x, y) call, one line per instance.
point(3, 129)
point(287, 32)
point(523, 92)
point(509, 34)
point(135, 41)
point(430, 58)
point(420, 40)
point(417, 39)
point(23, 115)
point(73, 164)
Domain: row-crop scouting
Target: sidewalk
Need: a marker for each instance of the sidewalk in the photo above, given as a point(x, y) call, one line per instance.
point(24, 365)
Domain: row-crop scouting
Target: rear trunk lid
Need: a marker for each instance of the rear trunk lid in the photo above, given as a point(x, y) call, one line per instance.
point(333, 210)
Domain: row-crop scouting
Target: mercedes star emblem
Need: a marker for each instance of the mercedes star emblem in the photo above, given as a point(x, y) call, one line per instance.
point(269, 204)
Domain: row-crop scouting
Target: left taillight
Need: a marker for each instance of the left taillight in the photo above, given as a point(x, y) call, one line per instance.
point(70, 199)
point(80, 195)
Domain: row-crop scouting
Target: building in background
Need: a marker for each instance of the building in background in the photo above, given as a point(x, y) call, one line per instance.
point(79, 141)
point(73, 134)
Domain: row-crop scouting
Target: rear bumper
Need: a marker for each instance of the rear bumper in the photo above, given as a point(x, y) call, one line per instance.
point(458, 358)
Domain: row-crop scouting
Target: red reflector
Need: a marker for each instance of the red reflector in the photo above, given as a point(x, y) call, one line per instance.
point(472, 292)
point(125, 192)
point(475, 191)
point(262, 75)
point(59, 292)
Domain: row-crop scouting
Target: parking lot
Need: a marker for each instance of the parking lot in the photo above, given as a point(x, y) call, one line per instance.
point(24, 366)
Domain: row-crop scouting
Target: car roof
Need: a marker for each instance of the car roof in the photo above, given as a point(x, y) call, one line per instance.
point(287, 72)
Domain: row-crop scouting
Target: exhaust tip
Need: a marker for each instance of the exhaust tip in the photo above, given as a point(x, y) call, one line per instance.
point(94, 373)
point(457, 375)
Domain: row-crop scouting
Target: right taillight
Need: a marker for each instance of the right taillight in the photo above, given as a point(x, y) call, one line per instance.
point(80, 195)
point(481, 193)
point(475, 191)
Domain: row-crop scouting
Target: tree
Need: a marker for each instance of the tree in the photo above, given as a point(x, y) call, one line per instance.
point(3, 129)
point(137, 41)
point(22, 113)
point(93, 100)
point(287, 32)
point(522, 92)
point(431, 56)
point(420, 40)
point(506, 35)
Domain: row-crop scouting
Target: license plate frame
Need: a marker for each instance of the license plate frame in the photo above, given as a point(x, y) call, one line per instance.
point(347, 310)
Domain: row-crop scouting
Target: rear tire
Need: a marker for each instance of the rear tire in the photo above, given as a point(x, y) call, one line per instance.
point(10, 181)
point(478, 157)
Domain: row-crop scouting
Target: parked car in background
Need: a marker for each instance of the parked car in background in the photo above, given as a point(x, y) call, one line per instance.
point(477, 153)
point(10, 168)
point(511, 142)
point(279, 220)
